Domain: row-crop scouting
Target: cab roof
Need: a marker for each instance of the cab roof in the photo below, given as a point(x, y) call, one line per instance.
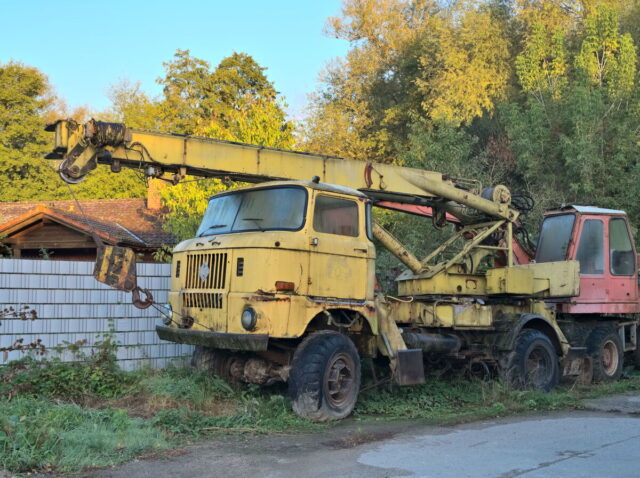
point(586, 210)
point(331, 188)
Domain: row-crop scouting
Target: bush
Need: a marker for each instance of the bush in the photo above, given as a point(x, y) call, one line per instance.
point(95, 374)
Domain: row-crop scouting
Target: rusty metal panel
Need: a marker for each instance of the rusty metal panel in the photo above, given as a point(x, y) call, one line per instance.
point(116, 267)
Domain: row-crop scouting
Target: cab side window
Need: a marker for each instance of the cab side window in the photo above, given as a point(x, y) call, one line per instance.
point(621, 256)
point(590, 249)
point(336, 216)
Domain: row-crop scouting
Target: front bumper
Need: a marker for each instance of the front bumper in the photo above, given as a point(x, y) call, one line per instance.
point(218, 340)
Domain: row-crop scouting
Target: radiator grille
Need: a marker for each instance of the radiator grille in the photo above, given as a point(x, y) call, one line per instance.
point(202, 300)
point(206, 271)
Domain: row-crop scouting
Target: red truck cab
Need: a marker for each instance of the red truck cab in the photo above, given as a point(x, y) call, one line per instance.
point(601, 240)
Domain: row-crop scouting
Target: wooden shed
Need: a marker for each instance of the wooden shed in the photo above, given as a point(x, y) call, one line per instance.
point(64, 229)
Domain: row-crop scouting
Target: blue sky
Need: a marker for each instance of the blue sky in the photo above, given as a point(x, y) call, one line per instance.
point(84, 47)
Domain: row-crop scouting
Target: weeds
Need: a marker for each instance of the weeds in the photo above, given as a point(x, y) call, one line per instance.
point(96, 374)
point(38, 434)
point(194, 387)
point(461, 399)
point(40, 430)
point(53, 378)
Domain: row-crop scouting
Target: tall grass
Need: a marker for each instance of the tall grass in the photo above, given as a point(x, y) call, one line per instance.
point(42, 427)
point(38, 434)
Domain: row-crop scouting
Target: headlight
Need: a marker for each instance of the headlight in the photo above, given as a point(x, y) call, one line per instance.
point(167, 314)
point(249, 318)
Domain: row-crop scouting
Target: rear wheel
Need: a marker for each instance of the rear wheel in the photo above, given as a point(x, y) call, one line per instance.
point(605, 348)
point(325, 377)
point(534, 363)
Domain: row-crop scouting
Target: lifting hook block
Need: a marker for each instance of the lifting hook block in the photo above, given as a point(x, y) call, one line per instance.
point(135, 298)
point(116, 267)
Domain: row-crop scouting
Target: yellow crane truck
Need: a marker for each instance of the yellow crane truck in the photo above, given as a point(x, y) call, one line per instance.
point(279, 282)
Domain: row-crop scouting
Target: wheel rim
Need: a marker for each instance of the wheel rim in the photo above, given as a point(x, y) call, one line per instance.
point(538, 367)
point(610, 357)
point(339, 379)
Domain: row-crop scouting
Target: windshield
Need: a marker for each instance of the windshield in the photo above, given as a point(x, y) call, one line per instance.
point(255, 210)
point(555, 236)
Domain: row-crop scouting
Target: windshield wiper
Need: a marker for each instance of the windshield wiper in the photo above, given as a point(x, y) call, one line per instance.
point(216, 226)
point(254, 219)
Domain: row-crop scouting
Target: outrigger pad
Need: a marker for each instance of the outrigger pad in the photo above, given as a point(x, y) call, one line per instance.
point(409, 367)
point(116, 267)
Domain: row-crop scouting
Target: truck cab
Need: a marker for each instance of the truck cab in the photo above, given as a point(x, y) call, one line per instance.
point(601, 240)
point(267, 260)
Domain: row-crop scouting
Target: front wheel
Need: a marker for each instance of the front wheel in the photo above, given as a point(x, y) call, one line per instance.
point(534, 363)
point(212, 360)
point(605, 348)
point(325, 377)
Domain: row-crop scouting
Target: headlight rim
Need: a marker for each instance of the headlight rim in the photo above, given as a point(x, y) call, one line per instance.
point(167, 317)
point(249, 324)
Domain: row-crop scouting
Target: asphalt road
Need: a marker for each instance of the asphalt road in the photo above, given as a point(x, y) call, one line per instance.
point(598, 443)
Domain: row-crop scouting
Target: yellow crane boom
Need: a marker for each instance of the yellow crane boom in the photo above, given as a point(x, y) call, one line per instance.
point(82, 147)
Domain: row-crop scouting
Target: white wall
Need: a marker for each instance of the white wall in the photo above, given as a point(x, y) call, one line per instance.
point(72, 306)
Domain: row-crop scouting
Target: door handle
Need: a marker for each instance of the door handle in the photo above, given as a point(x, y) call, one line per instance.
point(360, 250)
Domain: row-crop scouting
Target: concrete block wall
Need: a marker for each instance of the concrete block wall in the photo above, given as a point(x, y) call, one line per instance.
point(72, 306)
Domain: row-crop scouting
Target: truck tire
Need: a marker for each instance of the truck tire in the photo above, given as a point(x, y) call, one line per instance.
point(324, 380)
point(605, 348)
point(533, 364)
point(213, 360)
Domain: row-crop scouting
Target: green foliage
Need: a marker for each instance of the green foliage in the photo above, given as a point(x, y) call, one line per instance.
point(578, 143)
point(185, 385)
point(25, 97)
point(96, 374)
point(37, 434)
point(26, 104)
point(163, 254)
point(460, 399)
point(257, 412)
point(542, 66)
point(181, 404)
point(457, 399)
point(261, 121)
point(411, 62)
point(607, 58)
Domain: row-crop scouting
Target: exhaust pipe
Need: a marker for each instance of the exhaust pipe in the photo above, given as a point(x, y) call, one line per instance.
point(432, 343)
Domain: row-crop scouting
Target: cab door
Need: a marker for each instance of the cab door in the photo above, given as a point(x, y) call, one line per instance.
point(589, 250)
point(341, 255)
point(622, 284)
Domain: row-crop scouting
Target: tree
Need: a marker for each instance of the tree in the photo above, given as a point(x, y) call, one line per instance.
point(411, 61)
point(262, 121)
point(578, 143)
point(193, 95)
point(25, 97)
point(27, 104)
point(542, 67)
point(234, 102)
point(132, 106)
